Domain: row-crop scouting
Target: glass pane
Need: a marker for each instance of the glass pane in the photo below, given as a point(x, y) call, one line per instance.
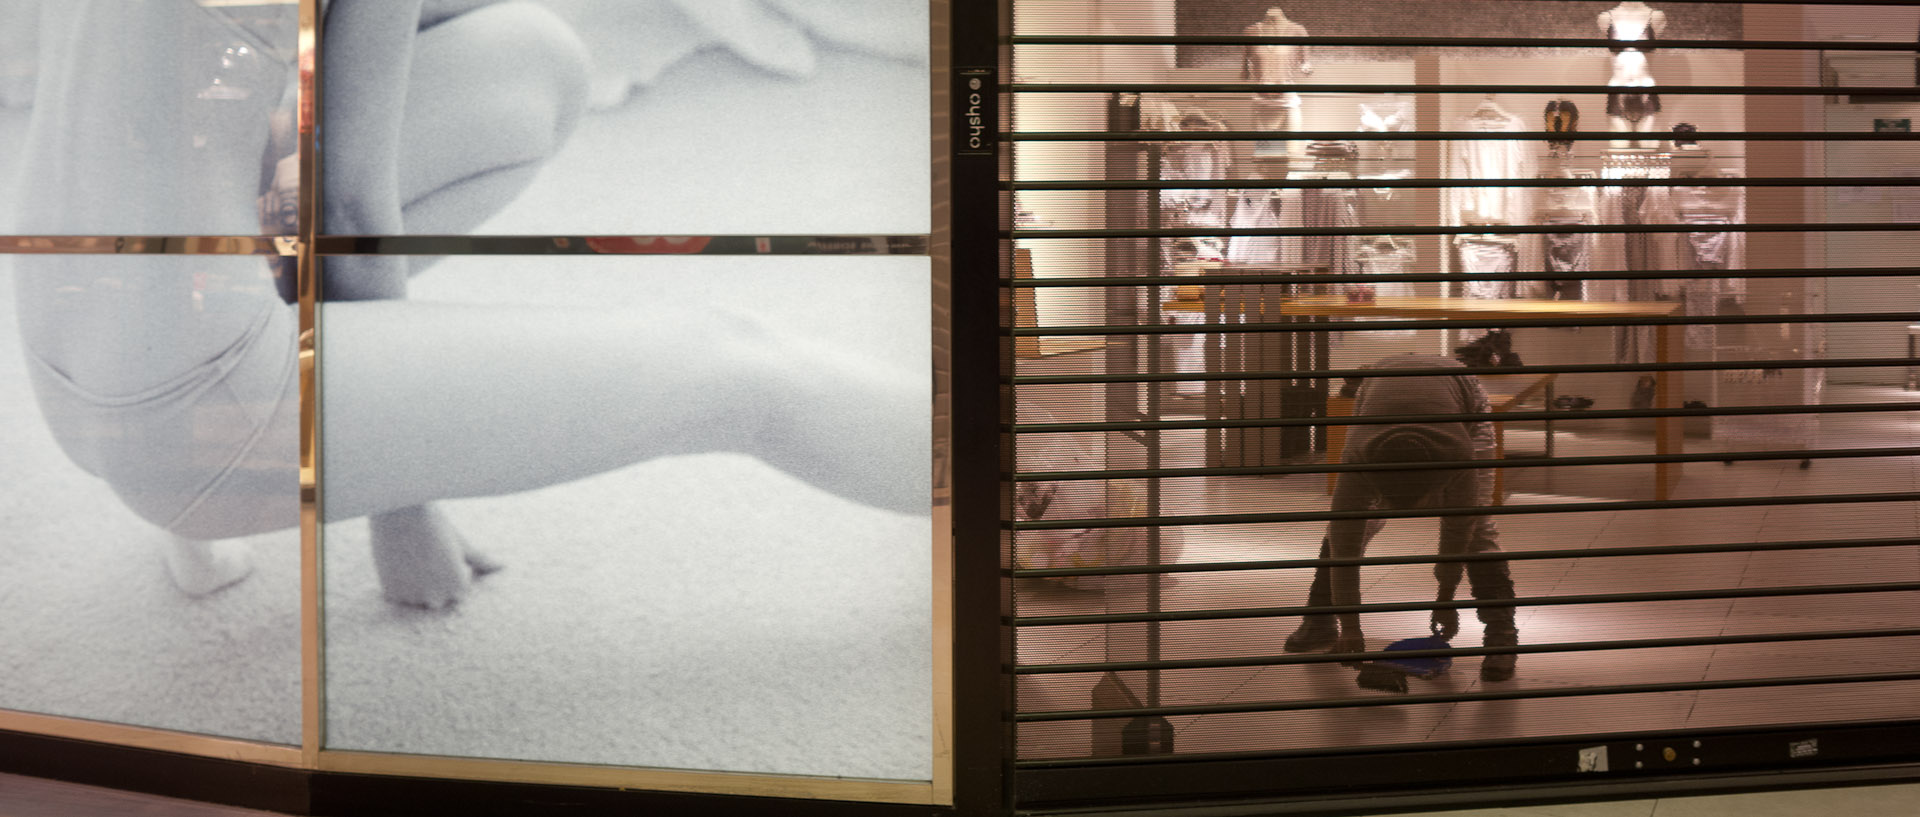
point(704, 481)
point(149, 408)
point(621, 118)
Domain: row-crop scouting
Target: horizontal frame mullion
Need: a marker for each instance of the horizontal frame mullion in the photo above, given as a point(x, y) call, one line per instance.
point(1467, 465)
point(1505, 416)
point(1447, 136)
point(1440, 42)
point(1553, 368)
point(1409, 700)
point(1316, 517)
point(282, 245)
point(1022, 186)
point(1456, 652)
point(326, 245)
point(1455, 323)
point(1475, 229)
point(1463, 558)
point(1223, 614)
point(1481, 88)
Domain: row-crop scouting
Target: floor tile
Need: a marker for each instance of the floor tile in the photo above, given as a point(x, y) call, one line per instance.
point(1807, 704)
point(1865, 801)
point(1535, 717)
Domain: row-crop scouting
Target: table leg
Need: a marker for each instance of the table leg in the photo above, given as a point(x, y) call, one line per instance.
point(1337, 407)
point(1548, 406)
point(1669, 433)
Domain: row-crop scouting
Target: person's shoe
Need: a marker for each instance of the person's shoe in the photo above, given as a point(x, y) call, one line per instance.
point(1315, 634)
point(1497, 668)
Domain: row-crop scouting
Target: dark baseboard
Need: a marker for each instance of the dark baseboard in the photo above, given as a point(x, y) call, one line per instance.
point(148, 771)
point(347, 795)
point(1486, 773)
point(332, 794)
point(1855, 755)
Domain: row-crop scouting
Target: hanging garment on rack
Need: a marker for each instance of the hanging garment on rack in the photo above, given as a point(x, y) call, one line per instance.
point(1384, 121)
point(1199, 209)
point(1643, 252)
point(1569, 254)
point(1331, 210)
point(1567, 200)
point(1488, 256)
point(1489, 159)
point(1702, 296)
point(1386, 257)
point(1711, 250)
point(1716, 247)
point(1255, 210)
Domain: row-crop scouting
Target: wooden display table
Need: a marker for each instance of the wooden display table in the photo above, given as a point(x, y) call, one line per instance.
point(1667, 433)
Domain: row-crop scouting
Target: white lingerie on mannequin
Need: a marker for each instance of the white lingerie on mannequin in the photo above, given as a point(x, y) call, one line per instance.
point(1391, 121)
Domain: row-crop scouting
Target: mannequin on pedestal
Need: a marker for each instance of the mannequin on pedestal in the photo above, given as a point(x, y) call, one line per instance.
point(1277, 64)
point(1637, 111)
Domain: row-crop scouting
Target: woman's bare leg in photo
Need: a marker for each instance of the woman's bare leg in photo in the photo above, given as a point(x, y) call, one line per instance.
point(492, 94)
point(459, 401)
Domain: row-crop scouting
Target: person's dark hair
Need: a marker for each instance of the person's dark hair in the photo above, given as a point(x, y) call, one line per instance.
point(1401, 490)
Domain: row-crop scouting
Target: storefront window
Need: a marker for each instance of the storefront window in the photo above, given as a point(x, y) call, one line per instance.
point(1633, 305)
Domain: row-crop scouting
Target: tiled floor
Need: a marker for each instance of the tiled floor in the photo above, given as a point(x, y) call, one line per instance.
point(1593, 531)
point(1900, 800)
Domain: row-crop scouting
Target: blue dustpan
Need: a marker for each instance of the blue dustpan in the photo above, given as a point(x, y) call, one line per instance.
point(1391, 674)
point(1428, 667)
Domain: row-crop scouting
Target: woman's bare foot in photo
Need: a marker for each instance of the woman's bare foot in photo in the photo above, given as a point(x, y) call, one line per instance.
point(199, 567)
point(422, 560)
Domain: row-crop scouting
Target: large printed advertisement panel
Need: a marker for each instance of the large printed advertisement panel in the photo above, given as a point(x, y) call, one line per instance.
point(663, 511)
point(149, 404)
point(615, 117)
point(667, 511)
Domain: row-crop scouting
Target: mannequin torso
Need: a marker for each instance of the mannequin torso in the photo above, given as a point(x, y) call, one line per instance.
point(1281, 63)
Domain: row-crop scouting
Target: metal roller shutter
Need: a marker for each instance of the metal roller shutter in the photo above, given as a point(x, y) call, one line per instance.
point(1706, 477)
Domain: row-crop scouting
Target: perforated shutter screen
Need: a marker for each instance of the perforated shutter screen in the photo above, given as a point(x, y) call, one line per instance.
point(1705, 429)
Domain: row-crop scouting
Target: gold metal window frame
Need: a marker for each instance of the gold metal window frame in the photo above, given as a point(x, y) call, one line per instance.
point(311, 754)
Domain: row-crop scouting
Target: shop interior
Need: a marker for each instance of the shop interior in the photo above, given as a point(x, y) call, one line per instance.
point(1687, 191)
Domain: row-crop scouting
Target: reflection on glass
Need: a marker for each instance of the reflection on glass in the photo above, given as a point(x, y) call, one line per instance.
point(674, 512)
point(151, 413)
point(157, 118)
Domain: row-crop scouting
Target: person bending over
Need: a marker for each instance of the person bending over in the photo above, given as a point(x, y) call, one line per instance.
point(1413, 444)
